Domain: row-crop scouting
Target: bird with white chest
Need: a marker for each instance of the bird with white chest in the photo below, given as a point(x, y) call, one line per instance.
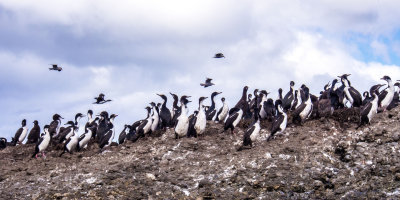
point(182, 124)
point(201, 121)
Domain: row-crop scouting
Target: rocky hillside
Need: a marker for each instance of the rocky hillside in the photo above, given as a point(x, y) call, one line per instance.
point(325, 158)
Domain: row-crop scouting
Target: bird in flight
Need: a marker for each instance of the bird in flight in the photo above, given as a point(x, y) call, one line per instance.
point(56, 68)
point(219, 55)
point(207, 83)
point(100, 99)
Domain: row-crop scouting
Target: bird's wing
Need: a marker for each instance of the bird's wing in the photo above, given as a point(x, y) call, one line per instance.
point(365, 109)
point(381, 96)
point(105, 139)
point(17, 134)
point(81, 137)
point(231, 119)
point(299, 109)
point(275, 125)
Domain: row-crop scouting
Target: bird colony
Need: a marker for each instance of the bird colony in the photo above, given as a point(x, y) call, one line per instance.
point(298, 105)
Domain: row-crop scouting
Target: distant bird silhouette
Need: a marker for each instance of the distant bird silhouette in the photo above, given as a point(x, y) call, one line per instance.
point(207, 83)
point(56, 68)
point(219, 55)
point(100, 99)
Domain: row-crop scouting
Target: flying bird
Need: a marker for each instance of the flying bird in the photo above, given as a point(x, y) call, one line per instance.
point(100, 99)
point(219, 55)
point(56, 68)
point(207, 83)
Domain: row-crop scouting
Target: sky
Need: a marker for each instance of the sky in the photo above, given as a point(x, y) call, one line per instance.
point(132, 50)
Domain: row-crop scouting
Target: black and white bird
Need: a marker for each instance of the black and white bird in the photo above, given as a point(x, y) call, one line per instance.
point(386, 96)
point(211, 111)
point(84, 139)
point(131, 135)
point(368, 111)
point(34, 134)
point(71, 144)
point(20, 134)
point(297, 100)
point(92, 122)
point(207, 83)
point(305, 109)
point(223, 111)
point(43, 142)
point(66, 132)
point(3, 143)
point(72, 129)
point(396, 99)
point(219, 55)
point(122, 136)
point(102, 128)
point(145, 126)
point(280, 121)
point(350, 93)
point(182, 124)
point(109, 134)
point(100, 99)
point(201, 119)
point(155, 117)
point(55, 68)
point(287, 101)
point(165, 113)
point(253, 132)
point(267, 108)
point(192, 122)
point(367, 98)
point(175, 111)
point(235, 115)
point(54, 127)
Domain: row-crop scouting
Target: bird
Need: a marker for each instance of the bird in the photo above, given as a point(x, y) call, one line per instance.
point(182, 124)
point(145, 125)
point(54, 127)
point(223, 111)
point(192, 122)
point(165, 113)
point(100, 99)
point(219, 55)
point(155, 117)
point(175, 111)
point(280, 121)
point(368, 111)
point(107, 138)
point(91, 123)
point(102, 127)
point(253, 132)
point(207, 83)
point(20, 134)
point(123, 134)
point(71, 144)
point(395, 101)
point(305, 109)
point(3, 143)
point(84, 139)
point(34, 134)
point(367, 98)
point(131, 135)
point(350, 94)
point(235, 115)
point(289, 97)
point(43, 142)
point(386, 96)
point(55, 68)
point(211, 110)
point(66, 132)
point(201, 119)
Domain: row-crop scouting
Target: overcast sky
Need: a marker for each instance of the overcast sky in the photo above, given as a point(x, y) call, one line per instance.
point(131, 50)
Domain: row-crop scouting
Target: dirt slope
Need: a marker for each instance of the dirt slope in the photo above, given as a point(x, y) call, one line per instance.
point(324, 158)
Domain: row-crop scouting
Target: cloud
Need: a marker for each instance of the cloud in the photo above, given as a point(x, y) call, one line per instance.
point(132, 50)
